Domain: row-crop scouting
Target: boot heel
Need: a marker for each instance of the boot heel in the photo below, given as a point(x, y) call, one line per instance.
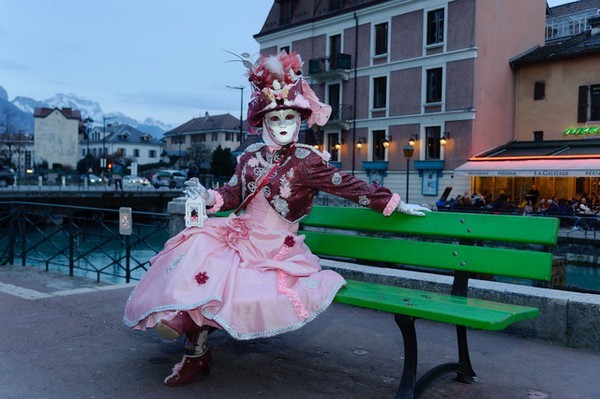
point(205, 371)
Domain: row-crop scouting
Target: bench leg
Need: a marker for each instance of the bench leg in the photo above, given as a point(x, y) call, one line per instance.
point(406, 390)
point(466, 373)
point(411, 388)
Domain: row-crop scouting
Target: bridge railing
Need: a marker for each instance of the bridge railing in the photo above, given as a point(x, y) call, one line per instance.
point(84, 240)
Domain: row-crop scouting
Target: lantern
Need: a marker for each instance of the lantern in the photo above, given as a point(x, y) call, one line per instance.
point(195, 212)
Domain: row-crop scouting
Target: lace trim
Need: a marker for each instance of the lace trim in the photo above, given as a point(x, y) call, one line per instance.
point(279, 330)
point(167, 308)
point(392, 205)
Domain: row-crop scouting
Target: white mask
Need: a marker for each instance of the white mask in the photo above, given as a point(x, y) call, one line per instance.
point(281, 127)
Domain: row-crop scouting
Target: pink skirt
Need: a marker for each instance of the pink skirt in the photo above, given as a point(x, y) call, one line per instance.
point(251, 276)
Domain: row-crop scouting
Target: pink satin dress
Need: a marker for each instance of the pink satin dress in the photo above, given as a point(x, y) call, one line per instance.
point(251, 276)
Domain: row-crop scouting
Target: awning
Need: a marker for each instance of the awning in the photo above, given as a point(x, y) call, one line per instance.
point(533, 167)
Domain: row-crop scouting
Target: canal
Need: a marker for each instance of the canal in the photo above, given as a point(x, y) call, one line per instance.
point(86, 242)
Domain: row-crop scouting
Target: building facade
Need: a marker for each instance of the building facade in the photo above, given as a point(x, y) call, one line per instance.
point(208, 130)
point(57, 136)
point(124, 142)
point(431, 73)
point(556, 144)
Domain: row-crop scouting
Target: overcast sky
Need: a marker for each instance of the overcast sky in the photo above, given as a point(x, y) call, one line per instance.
point(144, 58)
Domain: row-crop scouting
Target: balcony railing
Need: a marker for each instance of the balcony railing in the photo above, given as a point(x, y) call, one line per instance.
point(334, 65)
point(341, 113)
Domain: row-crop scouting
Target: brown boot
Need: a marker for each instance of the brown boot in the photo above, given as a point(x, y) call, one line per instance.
point(186, 371)
point(181, 324)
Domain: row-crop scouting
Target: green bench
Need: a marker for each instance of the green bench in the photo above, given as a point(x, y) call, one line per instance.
point(462, 244)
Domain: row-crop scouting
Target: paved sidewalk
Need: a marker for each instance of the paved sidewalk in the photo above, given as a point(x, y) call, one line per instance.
point(62, 337)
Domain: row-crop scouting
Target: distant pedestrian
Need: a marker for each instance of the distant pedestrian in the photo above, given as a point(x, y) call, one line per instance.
point(117, 177)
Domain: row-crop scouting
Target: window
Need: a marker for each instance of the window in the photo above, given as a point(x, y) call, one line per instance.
point(286, 11)
point(335, 5)
point(569, 24)
point(332, 140)
point(595, 102)
point(435, 26)
point(122, 152)
point(333, 97)
point(432, 141)
point(151, 153)
point(434, 85)
point(215, 136)
point(381, 39)
point(335, 44)
point(539, 91)
point(380, 92)
point(538, 135)
point(588, 107)
point(228, 136)
point(285, 48)
point(136, 152)
point(378, 148)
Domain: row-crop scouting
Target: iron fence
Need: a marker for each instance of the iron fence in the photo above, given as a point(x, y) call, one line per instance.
point(82, 239)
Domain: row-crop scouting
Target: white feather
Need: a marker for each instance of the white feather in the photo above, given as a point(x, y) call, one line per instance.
point(274, 65)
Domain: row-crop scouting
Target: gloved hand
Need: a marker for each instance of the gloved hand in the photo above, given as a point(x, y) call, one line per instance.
point(412, 209)
point(194, 190)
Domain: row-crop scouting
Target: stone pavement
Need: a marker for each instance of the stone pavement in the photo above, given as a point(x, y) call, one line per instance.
point(62, 337)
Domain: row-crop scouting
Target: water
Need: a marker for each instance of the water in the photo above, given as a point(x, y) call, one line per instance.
point(100, 254)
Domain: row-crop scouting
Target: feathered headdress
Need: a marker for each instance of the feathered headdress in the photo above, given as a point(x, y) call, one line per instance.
point(277, 83)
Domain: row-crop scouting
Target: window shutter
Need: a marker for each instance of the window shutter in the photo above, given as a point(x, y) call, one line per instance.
point(539, 90)
point(582, 104)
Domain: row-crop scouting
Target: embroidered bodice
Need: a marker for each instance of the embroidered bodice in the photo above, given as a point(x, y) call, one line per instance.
point(301, 172)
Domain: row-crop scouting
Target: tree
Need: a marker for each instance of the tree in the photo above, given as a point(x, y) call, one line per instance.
point(200, 155)
point(223, 163)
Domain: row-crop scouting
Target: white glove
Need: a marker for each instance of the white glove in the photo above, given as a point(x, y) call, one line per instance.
point(194, 190)
point(412, 209)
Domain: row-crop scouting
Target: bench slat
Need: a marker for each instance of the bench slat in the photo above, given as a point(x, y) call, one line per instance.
point(469, 312)
point(488, 260)
point(535, 230)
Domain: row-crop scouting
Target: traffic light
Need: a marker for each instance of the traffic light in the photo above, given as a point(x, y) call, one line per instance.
point(110, 166)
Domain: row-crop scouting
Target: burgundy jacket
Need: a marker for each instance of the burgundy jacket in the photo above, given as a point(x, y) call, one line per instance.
point(301, 172)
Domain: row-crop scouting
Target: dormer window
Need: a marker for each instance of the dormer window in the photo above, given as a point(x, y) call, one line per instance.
point(124, 136)
point(146, 138)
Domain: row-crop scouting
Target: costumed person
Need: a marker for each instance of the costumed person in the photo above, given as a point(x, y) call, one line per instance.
point(250, 274)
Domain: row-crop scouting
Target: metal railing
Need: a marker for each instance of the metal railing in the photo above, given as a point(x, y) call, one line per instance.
point(82, 239)
point(333, 62)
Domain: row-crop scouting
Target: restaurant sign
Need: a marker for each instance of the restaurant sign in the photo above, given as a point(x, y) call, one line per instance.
point(575, 131)
point(528, 173)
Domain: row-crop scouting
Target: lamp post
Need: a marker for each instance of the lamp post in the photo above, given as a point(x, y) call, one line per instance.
point(179, 140)
point(103, 159)
point(88, 122)
point(241, 89)
point(408, 153)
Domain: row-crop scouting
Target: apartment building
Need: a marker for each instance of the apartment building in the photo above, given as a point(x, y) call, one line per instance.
point(417, 86)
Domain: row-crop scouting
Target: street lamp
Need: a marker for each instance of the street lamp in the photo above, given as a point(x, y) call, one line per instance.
point(103, 159)
point(88, 124)
point(408, 153)
point(241, 89)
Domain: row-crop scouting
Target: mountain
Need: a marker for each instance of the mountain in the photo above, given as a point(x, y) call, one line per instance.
point(20, 111)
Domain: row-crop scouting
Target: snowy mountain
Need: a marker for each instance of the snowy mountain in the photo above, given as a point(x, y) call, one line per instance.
point(21, 110)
